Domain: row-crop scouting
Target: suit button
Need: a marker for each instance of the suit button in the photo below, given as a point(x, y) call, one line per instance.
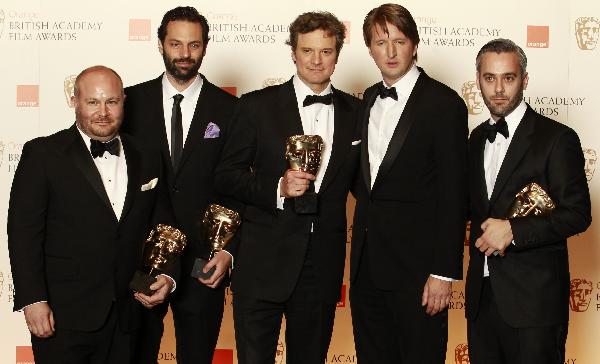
point(175, 189)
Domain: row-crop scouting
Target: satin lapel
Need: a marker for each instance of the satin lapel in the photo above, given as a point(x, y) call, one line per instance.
point(81, 157)
point(199, 123)
point(478, 145)
point(157, 120)
point(342, 136)
point(519, 145)
point(287, 119)
point(364, 149)
point(406, 120)
point(133, 175)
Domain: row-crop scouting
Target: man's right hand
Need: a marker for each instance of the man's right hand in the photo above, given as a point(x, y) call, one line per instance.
point(39, 319)
point(294, 183)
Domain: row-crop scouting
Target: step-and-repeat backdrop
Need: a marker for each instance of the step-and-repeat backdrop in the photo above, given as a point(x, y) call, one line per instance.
point(43, 44)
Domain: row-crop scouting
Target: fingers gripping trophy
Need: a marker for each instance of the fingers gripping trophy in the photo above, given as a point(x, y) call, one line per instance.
point(303, 153)
point(161, 249)
point(219, 226)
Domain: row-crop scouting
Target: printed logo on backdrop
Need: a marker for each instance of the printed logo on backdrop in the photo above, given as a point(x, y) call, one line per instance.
point(25, 25)
point(439, 32)
point(457, 300)
point(580, 295)
point(167, 356)
point(341, 358)
point(538, 36)
point(348, 26)
point(223, 356)
point(342, 301)
point(590, 162)
point(280, 353)
point(69, 89)
point(472, 96)
point(467, 233)
point(587, 30)
point(461, 354)
point(239, 28)
point(230, 90)
point(24, 355)
point(554, 106)
point(139, 29)
point(28, 95)
point(349, 234)
point(10, 154)
point(1, 284)
point(272, 81)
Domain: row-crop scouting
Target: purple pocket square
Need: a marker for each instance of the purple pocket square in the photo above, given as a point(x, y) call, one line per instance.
point(212, 131)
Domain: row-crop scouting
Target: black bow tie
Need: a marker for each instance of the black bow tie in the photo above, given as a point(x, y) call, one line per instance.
point(316, 99)
point(387, 92)
point(98, 148)
point(499, 127)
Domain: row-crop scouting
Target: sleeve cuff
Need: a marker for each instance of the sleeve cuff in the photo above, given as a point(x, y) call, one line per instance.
point(447, 279)
point(280, 199)
point(172, 280)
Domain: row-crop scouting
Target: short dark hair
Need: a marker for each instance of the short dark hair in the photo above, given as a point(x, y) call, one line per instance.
point(311, 21)
point(184, 13)
point(394, 14)
point(501, 45)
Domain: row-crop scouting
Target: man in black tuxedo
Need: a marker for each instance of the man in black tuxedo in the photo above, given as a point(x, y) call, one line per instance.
point(289, 263)
point(186, 117)
point(518, 279)
point(82, 203)
point(409, 223)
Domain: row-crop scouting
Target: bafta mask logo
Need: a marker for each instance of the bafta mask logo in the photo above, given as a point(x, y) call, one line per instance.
point(69, 89)
point(1, 22)
point(272, 81)
point(461, 354)
point(472, 97)
point(581, 294)
point(587, 30)
point(280, 353)
point(590, 162)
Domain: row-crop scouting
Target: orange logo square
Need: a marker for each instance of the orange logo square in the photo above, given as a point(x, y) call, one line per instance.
point(223, 356)
point(342, 301)
point(230, 89)
point(24, 355)
point(28, 95)
point(538, 36)
point(139, 29)
point(347, 24)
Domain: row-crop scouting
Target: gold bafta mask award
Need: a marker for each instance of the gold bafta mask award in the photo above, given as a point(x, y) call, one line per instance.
point(219, 226)
point(161, 249)
point(303, 153)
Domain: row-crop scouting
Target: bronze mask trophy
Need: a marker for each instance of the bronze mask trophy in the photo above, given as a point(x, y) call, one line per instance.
point(530, 200)
point(219, 226)
point(303, 153)
point(161, 249)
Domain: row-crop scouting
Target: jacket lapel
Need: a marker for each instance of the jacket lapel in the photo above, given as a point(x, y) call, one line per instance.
point(477, 146)
point(519, 145)
point(402, 128)
point(341, 138)
point(133, 175)
point(157, 121)
point(368, 101)
point(81, 157)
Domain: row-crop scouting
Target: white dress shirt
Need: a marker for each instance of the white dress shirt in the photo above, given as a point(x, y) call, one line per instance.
point(317, 119)
point(494, 153)
point(188, 104)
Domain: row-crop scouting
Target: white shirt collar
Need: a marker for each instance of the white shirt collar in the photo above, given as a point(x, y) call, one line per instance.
point(407, 82)
point(302, 90)
point(169, 91)
point(514, 118)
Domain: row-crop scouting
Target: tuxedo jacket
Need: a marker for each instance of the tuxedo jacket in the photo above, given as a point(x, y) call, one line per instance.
point(191, 187)
point(66, 245)
point(273, 241)
point(413, 217)
point(531, 282)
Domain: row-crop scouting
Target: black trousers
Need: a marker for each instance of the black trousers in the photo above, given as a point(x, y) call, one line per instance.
point(493, 341)
point(108, 344)
point(391, 326)
point(309, 323)
point(197, 314)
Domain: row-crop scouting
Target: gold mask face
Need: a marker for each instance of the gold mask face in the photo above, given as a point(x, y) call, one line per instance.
point(303, 153)
point(220, 224)
point(531, 200)
point(162, 247)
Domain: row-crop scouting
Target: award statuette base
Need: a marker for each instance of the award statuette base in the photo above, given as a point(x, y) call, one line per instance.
point(141, 282)
point(197, 272)
point(306, 204)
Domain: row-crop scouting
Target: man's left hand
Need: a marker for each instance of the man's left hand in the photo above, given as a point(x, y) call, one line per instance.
point(162, 287)
point(497, 235)
point(436, 295)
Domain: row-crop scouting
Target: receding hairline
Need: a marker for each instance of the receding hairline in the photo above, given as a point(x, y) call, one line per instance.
point(89, 70)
